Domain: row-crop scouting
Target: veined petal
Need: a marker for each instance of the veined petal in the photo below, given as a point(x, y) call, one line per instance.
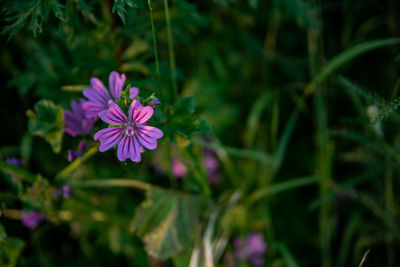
point(97, 95)
point(116, 82)
point(114, 115)
point(129, 147)
point(134, 152)
point(148, 136)
point(134, 91)
point(138, 113)
point(96, 83)
point(108, 137)
point(92, 109)
point(151, 131)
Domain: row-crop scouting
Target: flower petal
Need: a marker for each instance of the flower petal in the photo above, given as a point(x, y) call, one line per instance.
point(138, 113)
point(96, 83)
point(133, 92)
point(108, 137)
point(114, 115)
point(97, 95)
point(151, 131)
point(129, 147)
point(134, 153)
point(116, 82)
point(148, 136)
point(77, 108)
point(92, 109)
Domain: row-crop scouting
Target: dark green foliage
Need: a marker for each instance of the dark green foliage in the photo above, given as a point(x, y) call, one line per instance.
point(120, 7)
point(47, 121)
point(182, 123)
point(32, 13)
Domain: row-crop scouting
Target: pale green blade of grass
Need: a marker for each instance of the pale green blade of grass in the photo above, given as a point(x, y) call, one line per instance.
point(112, 183)
point(345, 57)
point(281, 187)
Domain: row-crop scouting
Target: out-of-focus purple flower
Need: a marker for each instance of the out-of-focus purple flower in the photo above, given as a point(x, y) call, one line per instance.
point(76, 122)
point(73, 154)
point(178, 169)
point(156, 102)
point(133, 135)
point(17, 162)
point(212, 167)
point(100, 98)
point(251, 249)
point(83, 145)
point(210, 162)
point(65, 191)
point(32, 218)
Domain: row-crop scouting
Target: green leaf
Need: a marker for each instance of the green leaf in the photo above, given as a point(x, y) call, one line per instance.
point(10, 251)
point(168, 222)
point(182, 124)
point(47, 122)
point(119, 6)
point(32, 13)
point(185, 105)
point(346, 56)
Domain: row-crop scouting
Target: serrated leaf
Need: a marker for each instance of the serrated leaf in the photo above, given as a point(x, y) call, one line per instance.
point(47, 122)
point(168, 222)
point(182, 121)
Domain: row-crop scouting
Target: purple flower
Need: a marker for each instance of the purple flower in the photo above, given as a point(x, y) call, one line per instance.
point(76, 122)
point(32, 218)
point(100, 99)
point(212, 165)
point(156, 102)
point(133, 130)
point(65, 191)
point(178, 169)
point(17, 162)
point(73, 154)
point(251, 249)
point(83, 146)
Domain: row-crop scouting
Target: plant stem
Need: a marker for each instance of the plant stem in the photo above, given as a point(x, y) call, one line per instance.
point(324, 148)
point(112, 183)
point(149, 2)
point(171, 53)
point(76, 163)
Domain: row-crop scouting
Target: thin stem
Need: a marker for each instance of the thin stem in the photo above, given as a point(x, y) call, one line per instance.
point(113, 183)
point(30, 177)
point(149, 2)
point(172, 62)
point(76, 163)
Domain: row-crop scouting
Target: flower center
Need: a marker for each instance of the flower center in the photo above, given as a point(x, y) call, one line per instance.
point(130, 129)
point(110, 102)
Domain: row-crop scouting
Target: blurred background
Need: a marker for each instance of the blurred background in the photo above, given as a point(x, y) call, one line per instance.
point(281, 144)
